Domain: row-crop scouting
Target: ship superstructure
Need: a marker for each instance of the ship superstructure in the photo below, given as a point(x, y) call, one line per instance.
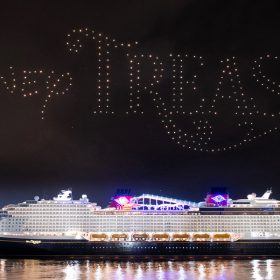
point(148, 219)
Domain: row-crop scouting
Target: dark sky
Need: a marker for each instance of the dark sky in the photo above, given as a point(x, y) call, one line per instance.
point(96, 154)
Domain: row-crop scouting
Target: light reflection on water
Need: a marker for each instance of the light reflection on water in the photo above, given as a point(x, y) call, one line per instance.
point(121, 270)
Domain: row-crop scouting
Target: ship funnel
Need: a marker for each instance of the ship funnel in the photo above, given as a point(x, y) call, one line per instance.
point(267, 194)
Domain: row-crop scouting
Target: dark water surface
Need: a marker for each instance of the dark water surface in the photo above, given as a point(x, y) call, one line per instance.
point(177, 270)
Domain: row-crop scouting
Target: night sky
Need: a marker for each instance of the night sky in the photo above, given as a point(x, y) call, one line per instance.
point(99, 153)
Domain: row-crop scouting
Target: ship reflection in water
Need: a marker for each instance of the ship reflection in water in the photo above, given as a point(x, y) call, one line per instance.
point(99, 270)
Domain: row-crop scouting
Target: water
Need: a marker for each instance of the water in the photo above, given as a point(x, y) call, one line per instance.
point(113, 270)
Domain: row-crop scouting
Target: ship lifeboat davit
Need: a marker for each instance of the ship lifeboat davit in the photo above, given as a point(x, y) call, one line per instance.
point(160, 237)
point(140, 236)
point(98, 237)
point(181, 237)
point(119, 237)
point(221, 237)
point(201, 237)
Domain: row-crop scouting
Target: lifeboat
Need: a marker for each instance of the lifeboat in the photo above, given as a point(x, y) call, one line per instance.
point(119, 237)
point(201, 237)
point(140, 236)
point(160, 237)
point(98, 237)
point(221, 237)
point(181, 237)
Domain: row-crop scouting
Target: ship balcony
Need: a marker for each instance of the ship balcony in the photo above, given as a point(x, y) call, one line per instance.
point(140, 237)
point(119, 237)
point(160, 237)
point(221, 237)
point(98, 237)
point(201, 237)
point(181, 237)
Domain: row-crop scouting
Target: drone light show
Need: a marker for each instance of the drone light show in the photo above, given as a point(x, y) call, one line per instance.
point(190, 129)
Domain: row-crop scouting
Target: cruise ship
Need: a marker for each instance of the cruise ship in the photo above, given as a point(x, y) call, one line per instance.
point(142, 226)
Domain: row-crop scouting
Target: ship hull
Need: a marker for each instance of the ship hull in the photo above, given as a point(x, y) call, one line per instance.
point(15, 247)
